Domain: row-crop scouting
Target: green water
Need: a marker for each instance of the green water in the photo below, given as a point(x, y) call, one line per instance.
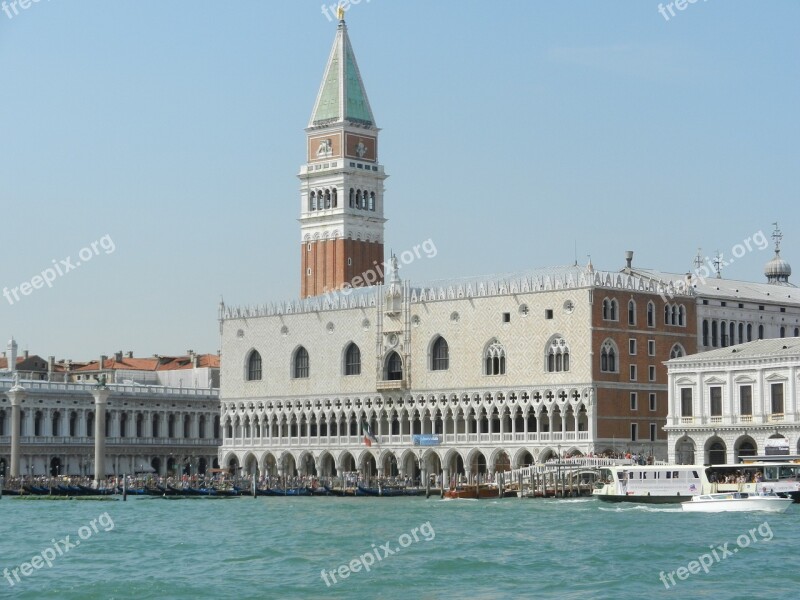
point(277, 548)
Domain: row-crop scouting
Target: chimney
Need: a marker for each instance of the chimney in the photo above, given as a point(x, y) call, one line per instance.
point(628, 259)
point(118, 356)
point(103, 359)
point(25, 354)
point(129, 354)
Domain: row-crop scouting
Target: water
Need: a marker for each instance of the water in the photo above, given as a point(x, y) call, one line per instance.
point(480, 549)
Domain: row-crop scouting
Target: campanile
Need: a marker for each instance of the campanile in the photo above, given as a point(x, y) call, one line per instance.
point(341, 189)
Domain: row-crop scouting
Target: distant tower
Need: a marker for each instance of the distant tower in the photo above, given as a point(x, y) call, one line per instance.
point(341, 194)
point(777, 270)
point(12, 354)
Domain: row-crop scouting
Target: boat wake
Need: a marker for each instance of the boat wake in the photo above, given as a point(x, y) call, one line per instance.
point(575, 500)
point(641, 508)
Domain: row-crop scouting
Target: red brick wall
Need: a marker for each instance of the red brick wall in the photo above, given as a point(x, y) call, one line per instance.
point(329, 269)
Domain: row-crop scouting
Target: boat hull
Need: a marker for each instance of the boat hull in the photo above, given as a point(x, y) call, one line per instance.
point(643, 499)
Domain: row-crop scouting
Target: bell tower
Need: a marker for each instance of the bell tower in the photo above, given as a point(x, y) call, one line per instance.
point(341, 184)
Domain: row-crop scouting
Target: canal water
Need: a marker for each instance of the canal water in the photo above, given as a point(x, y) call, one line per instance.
point(375, 548)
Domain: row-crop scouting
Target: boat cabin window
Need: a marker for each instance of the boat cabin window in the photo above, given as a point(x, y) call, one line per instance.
point(770, 473)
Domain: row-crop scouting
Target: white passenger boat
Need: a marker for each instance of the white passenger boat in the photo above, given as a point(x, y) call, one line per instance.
point(658, 484)
point(737, 502)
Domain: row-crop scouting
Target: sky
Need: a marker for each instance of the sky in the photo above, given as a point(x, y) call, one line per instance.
point(161, 141)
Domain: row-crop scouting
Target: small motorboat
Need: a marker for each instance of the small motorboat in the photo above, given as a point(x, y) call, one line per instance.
point(737, 502)
point(484, 490)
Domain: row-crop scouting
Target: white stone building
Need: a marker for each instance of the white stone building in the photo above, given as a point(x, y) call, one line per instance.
point(158, 429)
point(733, 402)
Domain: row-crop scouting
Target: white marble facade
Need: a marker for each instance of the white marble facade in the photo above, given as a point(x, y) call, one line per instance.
point(730, 403)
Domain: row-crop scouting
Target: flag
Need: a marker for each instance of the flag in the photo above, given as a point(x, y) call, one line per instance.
point(368, 435)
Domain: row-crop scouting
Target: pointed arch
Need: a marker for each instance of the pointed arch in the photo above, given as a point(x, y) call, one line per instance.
point(494, 358)
point(439, 354)
point(300, 363)
point(393, 367)
point(352, 359)
point(254, 366)
point(609, 355)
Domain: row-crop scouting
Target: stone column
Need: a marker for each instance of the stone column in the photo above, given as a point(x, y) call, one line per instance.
point(100, 400)
point(16, 395)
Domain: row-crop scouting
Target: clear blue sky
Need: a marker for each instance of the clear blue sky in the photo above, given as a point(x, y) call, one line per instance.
point(513, 132)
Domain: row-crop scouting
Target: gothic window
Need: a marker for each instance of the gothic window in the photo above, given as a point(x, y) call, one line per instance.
point(300, 363)
point(761, 332)
point(651, 314)
point(254, 366)
point(631, 312)
point(358, 199)
point(312, 205)
point(557, 359)
point(749, 332)
point(677, 351)
point(327, 199)
point(394, 367)
point(705, 332)
point(608, 357)
point(440, 355)
point(610, 309)
point(495, 359)
point(334, 199)
point(352, 360)
point(682, 316)
point(352, 197)
point(372, 201)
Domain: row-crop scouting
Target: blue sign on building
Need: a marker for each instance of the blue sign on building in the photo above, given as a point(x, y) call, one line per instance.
point(426, 439)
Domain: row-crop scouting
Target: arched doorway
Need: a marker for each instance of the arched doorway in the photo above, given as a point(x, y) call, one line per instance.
point(270, 466)
point(524, 459)
point(56, 468)
point(308, 465)
point(369, 469)
point(744, 446)
point(202, 466)
point(327, 465)
point(478, 463)
point(250, 465)
point(289, 466)
point(156, 464)
point(390, 465)
point(684, 451)
point(233, 466)
point(716, 452)
point(347, 462)
point(502, 463)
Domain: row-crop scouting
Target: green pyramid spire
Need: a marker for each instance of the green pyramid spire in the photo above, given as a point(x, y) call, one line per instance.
point(342, 96)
